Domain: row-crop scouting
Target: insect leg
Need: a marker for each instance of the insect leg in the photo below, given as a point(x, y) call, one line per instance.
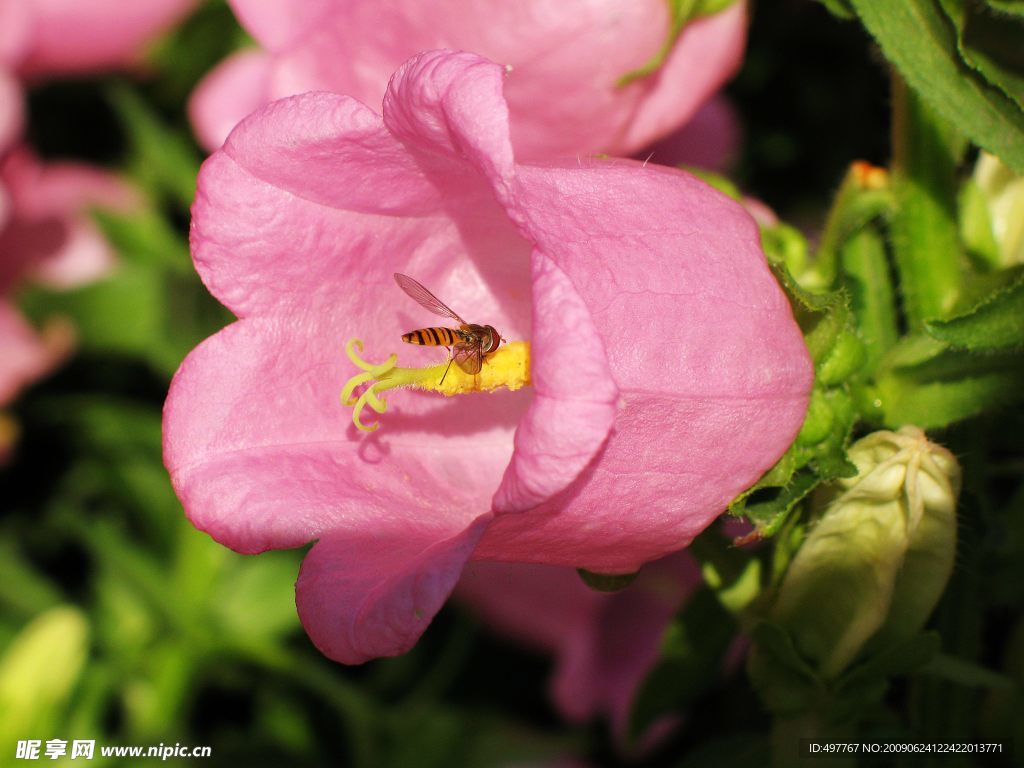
point(450, 358)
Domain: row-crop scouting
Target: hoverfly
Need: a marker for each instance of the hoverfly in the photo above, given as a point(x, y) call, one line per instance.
point(468, 343)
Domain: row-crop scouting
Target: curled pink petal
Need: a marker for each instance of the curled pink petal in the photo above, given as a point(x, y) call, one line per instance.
point(562, 431)
point(372, 592)
point(565, 59)
point(668, 372)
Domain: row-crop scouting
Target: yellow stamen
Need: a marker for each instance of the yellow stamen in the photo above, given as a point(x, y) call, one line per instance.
point(507, 367)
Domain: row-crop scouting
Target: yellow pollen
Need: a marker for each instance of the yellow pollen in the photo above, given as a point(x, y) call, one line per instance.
point(507, 367)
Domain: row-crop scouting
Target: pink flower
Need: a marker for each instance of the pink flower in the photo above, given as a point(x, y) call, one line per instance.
point(565, 58)
point(68, 36)
point(668, 373)
point(605, 645)
point(45, 236)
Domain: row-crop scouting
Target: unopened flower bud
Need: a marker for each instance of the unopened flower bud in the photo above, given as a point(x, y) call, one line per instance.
point(1002, 193)
point(874, 566)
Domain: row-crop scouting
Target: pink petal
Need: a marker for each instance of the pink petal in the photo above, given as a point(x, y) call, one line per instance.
point(11, 110)
point(575, 399)
point(372, 592)
point(27, 355)
point(698, 337)
point(710, 140)
point(233, 89)
point(72, 36)
point(278, 23)
point(564, 59)
point(605, 644)
point(15, 31)
point(49, 235)
point(707, 54)
point(264, 456)
point(451, 104)
point(541, 606)
point(324, 169)
point(650, 293)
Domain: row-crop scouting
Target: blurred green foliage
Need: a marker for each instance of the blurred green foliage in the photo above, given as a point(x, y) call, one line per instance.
point(120, 622)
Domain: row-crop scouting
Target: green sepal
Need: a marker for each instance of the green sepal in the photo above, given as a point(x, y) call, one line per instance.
point(689, 663)
point(786, 683)
point(606, 582)
point(917, 37)
point(841, 9)
point(864, 196)
point(819, 452)
point(789, 686)
point(995, 324)
point(681, 12)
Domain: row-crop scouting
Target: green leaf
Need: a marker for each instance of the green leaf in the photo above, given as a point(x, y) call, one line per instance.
point(925, 241)
point(916, 36)
point(137, 311)
point(995, 324)
point(162, 159)
point(1015, 7)
point(966, 673)
point(841, 9)
point(924, 383)
point(992, 43)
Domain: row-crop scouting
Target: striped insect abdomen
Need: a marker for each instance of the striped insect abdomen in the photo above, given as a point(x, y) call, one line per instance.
point(431, 337)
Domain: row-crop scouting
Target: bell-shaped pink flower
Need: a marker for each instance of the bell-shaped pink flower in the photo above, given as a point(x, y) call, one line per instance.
point(565, 60)
point(604, 644)
point(667, 371)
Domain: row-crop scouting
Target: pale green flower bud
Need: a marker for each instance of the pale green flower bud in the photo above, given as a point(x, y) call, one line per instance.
point(874, 566)
point(1002, 192)
point(39, 669)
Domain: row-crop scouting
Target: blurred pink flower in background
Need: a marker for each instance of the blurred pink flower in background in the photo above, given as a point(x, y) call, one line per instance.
point(565, 58)
point(71, 36)
point(47, 237)
point(604, 644)
point(710, 140)
point(668, 373)
point(45, 233)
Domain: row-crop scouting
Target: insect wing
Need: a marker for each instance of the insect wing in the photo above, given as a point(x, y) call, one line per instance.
point(469, 358)
point(425, 298)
